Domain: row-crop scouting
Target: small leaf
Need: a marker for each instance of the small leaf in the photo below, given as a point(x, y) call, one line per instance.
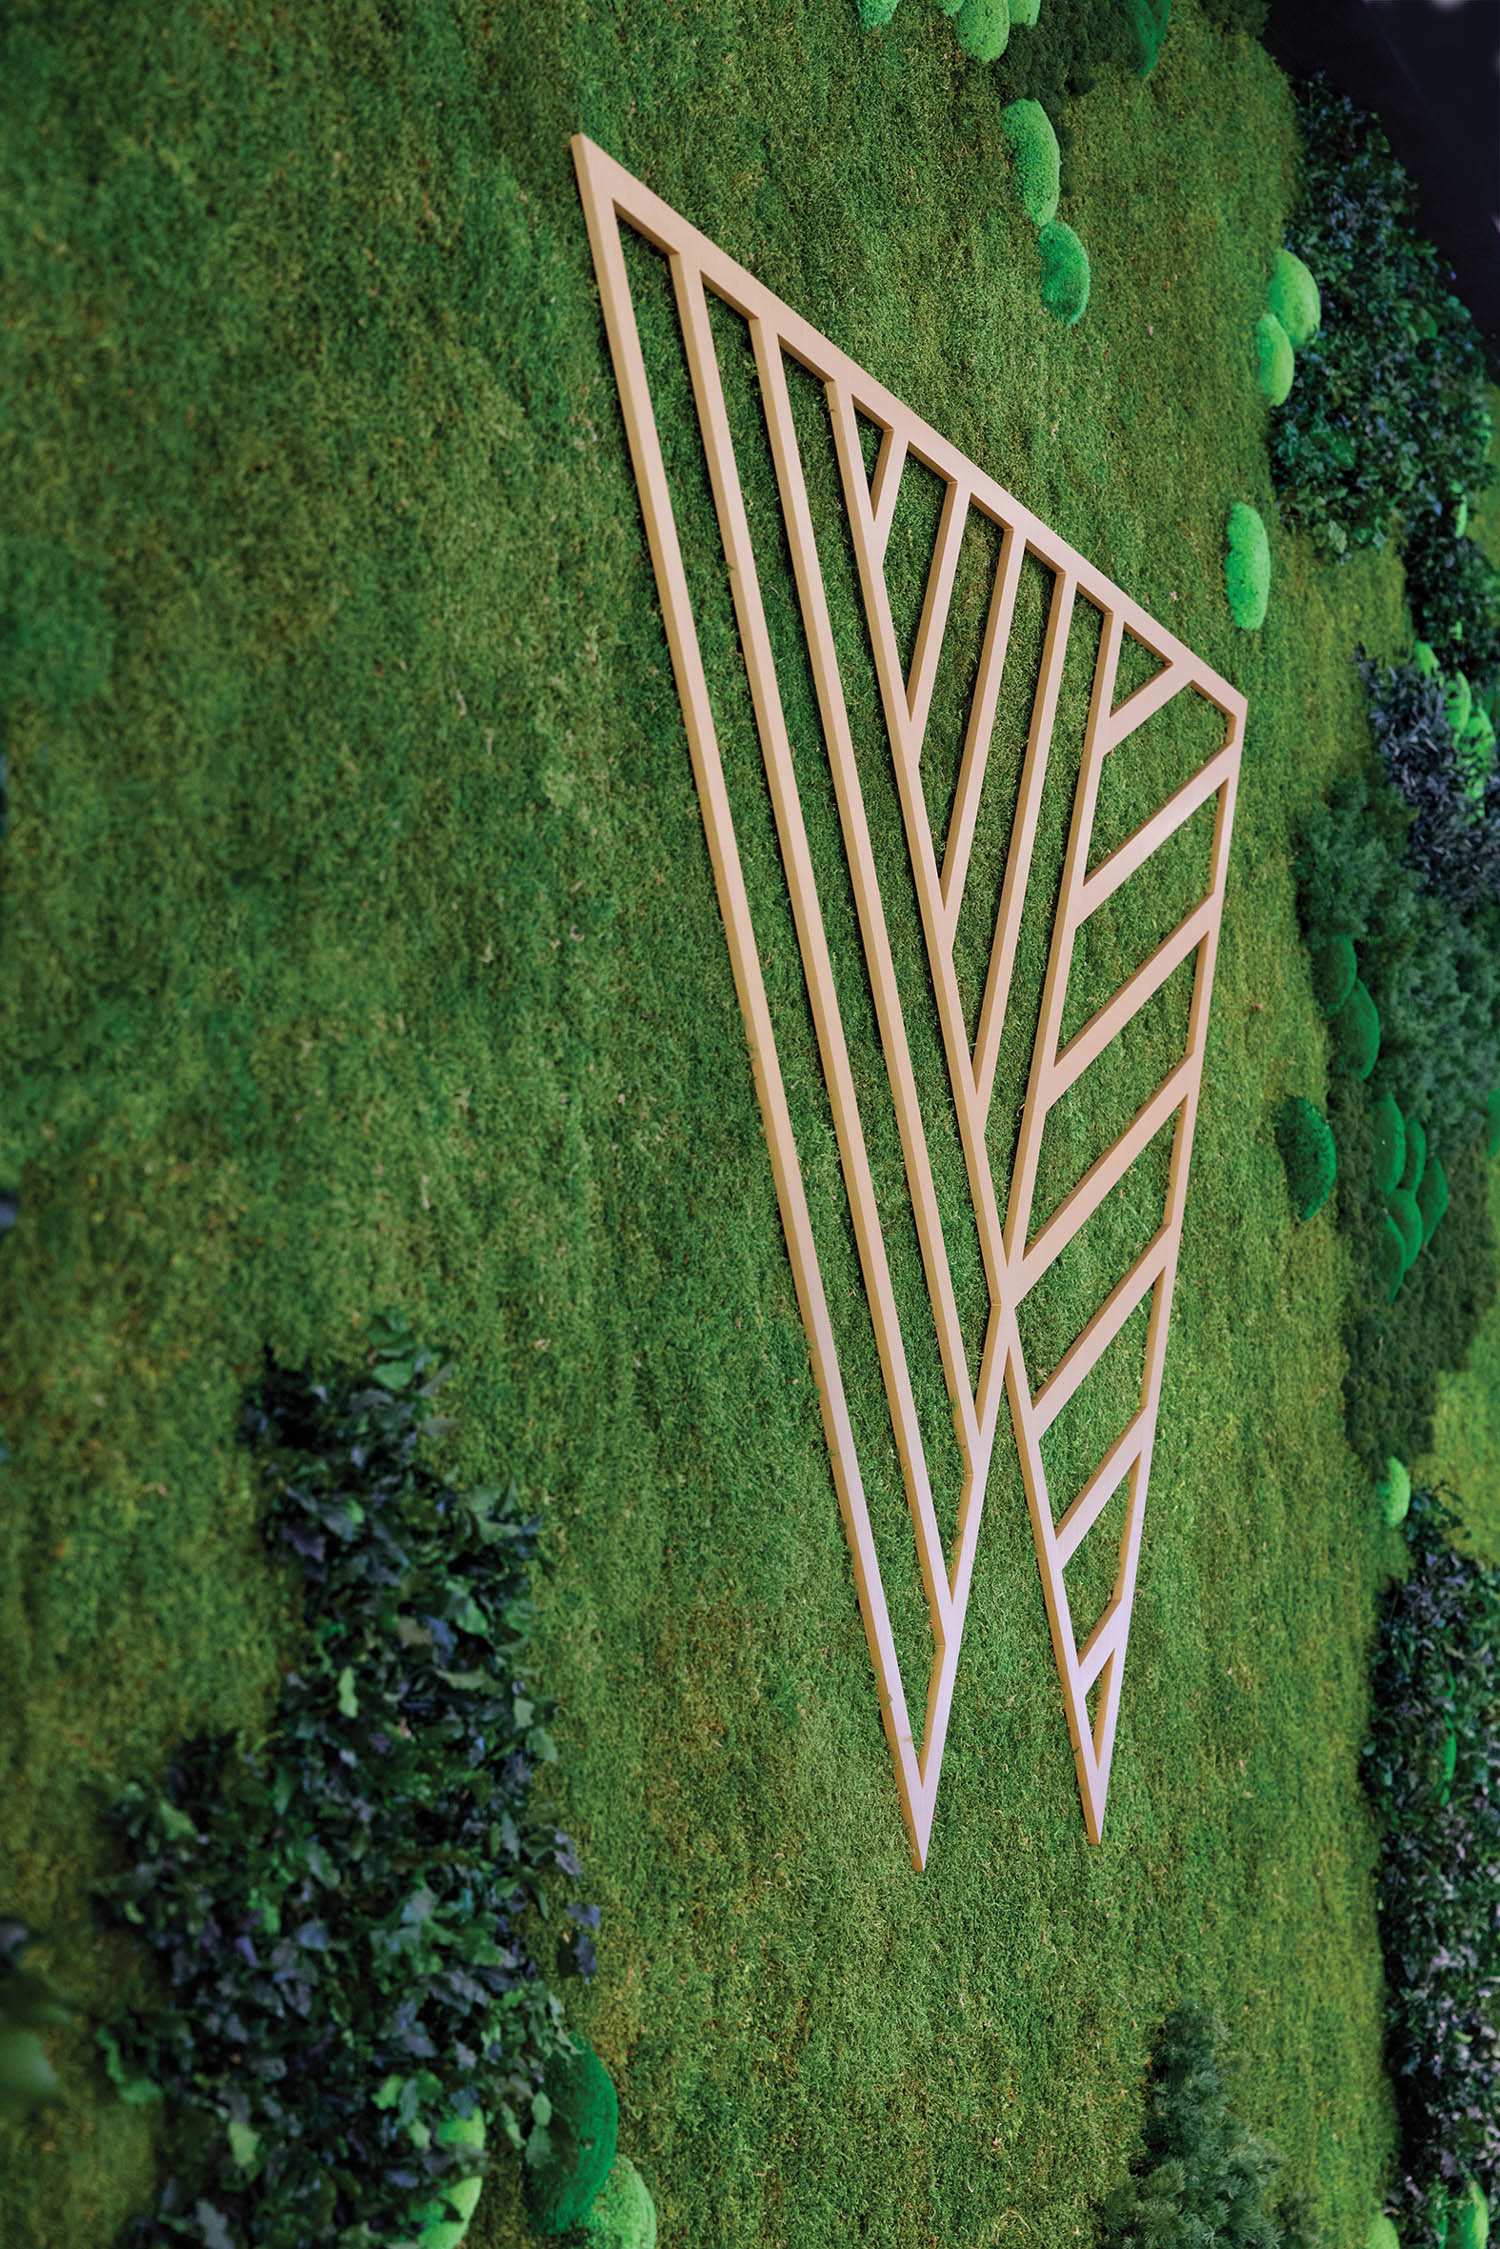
point(348, 1700)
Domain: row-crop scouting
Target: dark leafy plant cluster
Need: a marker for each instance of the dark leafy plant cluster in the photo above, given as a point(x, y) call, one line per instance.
point(1386, 429)
point(1454, 840)
point(1433, 1772)
point(1203, 2176)
point(1248, 16)
point(343, 1912)
point(1453, 590)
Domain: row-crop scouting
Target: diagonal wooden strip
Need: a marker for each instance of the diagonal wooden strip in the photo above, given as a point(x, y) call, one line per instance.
point(1127, 858)
point(1088, 1347)
point(1079, 1519)
point(935, 607)
point(981, 726)
point(884, 487)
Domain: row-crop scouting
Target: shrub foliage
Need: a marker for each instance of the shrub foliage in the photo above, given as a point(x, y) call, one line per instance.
point(342, 1912)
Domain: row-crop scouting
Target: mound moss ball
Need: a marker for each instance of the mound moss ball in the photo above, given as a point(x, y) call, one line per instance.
point(1025, 12)
point(1065, 272)
point(1416, 1156)
point(1034, 152)
point(1382, 2234)
point(1388, 1138)
point(1247, 567)
point(1356, 1034)
point(1306, 1147)
point(1275, 363)
point(1394, 1493)
point(984, 29)
point(1403, 1209)
point(624, 2216)
point(1334, 968)
point(1431, 1198)
point(585, 2124)
point(874, 13)
point(1293, 298)
point(1390, 1257)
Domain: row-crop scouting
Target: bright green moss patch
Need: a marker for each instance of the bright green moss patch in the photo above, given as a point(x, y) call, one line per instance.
point(1034, 150)
point(1275, 364)
point(1065, 272)
point(1382, 2234)
point(874, 13)
point(1388, 1140)
point(1355, 1031)
point(984, 29)
point(1293, 298)
point(1025, 12)
point(1247, 567)
point(624, 2215)
point(1307, 1150)
point(1394, 1493)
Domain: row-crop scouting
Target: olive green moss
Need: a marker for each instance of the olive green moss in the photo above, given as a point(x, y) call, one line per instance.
point(1388, 1140)
point(1416, 1155)
point(1247, 567)
point(1406, 1211)
point(1307, 1150)
point(1394, 1493)
point(583, 2131)
point(1355, 1033)
point(1034, 151)
point(984, 29)
point(1334, 968)
point(624, 2215)
point(1431, 1197)
point(1275, 363)
point(1293, 298)
point(1065, 272)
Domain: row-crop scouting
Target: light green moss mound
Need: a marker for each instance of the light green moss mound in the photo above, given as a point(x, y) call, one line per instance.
point(1293, 298)
point(1356, 1034)
point(1307, 1150)
point(874, 13)
point(1404, 1210)
point(1038, 163)
point(1388, 1135)
point(984, 29)
point(1334, 968)
point(1471, 2229)
point(440, 2228)
point(1431, 1198)
point(1025, 12)
point(1247, 568)
point(1394, 1493)
point(1390, 1256)
point(1275, 363)
point(1065, 272)
point(624, 2216)
point(585, 2124)
point(1416, 1156)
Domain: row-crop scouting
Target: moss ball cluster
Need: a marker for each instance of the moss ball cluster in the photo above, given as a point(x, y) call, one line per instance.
point(1307, 1150)
point(1035, 155)
point(984, 29)
point(1247, 567)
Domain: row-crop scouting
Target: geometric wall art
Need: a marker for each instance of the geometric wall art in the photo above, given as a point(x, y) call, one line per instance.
point(993, 1387)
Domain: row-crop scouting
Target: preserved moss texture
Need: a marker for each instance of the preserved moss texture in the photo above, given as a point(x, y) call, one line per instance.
point(984, 29)
point(1388, 1141)
point(1390, 1257)
point(1148, 28)
point(1034, 150)
point(1307, 1150)
point(1394, 1493)
point(874, 13)
point(1416, 1156)
point(1356, 1034)
point(1275, 363)
point(1247, 568)
point(1025, 12)
point(585, 2123)
point(1431, 1199)
point(1293, 298)
point(1334, 968)
point(624, 2216)
point(1065, 272)
point(1407, 1214)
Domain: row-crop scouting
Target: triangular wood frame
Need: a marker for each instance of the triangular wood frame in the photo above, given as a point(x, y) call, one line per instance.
point(1012, 1262)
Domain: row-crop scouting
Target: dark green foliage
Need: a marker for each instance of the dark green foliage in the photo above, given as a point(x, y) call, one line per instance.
point(1398, 1349)
point(1247, 567)
point(1248, 16)
point(1065, 272)
point(1407, 1214)
point(343, 1921)
point(1334, 968)
point(1356, 1033)
point(1033, 147)
point(1275, 362)
point(573, 2160)
point(1416, 1156)
point(1306, 1147)
point(1453, 844)
point(28, 2004)
point(1293, 297)
point(1203, 2177)
point(1432, 1198)
point(1454, 592)
point(1388, 1141)
point(1437, 1681)
point(1387, 419)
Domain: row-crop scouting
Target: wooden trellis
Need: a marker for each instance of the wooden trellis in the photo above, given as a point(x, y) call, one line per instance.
point(1012, 1262)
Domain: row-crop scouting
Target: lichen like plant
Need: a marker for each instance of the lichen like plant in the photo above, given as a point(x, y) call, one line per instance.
point(566, 2172)
point(1356, 1034)
point(1293, 298)
point(1035, 154)
point(1388, 1139)
point(1307, 1150)
point(1275, 361)
point(1065, 272)
point(984, 29)
point(1334, 968)
point(1247, 567)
